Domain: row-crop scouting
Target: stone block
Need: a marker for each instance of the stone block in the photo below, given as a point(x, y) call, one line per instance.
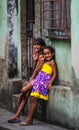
point(16, 85)
point(15, 98)
point(60, 106)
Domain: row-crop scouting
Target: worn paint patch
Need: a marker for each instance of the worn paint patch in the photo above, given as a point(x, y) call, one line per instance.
point(12, 13)
point(60, 106)
point(75, 80)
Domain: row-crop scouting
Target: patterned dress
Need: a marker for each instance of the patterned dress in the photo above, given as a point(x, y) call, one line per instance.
point(40, 83)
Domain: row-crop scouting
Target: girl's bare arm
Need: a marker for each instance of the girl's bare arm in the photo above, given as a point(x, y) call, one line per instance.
point(37, 68)
point(54, 75)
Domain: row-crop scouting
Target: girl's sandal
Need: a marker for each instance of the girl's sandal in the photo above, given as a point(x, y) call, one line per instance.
point(14, 121)
point(25, 124)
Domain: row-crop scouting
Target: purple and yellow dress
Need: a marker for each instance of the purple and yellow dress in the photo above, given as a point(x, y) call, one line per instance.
point(40, 83)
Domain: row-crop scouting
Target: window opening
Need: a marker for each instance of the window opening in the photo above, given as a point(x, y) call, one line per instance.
point(55, 18)
point(29, 59)
point(30, 20)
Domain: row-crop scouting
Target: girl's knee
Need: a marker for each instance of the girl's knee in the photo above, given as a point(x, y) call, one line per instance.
point(34, 99)
point(23, 90)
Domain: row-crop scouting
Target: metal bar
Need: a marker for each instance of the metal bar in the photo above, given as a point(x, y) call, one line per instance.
point(51, 10)
point(51, 0)
point(51, 19)
point(54, 28)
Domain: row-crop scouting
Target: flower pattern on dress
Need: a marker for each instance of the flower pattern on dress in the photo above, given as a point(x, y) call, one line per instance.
point(40, 84)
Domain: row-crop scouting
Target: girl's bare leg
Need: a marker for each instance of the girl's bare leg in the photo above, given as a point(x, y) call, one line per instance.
point(31, 111)
point(26, 90)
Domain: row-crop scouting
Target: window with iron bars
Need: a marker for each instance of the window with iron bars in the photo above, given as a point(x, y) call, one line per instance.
point(55, 20)
point(30, 20)
point(29, 58)
point(30, 11)
point(30, 17)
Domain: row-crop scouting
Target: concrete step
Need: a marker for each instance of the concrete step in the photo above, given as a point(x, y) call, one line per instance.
point(16, 85)
point(37, 125)
point(15, 98)
point(41, 110)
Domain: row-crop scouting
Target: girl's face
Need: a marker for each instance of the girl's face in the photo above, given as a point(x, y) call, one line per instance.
point(48, 54)
point(36, 47)
point(41, 58)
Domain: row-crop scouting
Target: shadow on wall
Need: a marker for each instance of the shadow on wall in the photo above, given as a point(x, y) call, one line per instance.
point(56, 82)
point(12, 13)
point(12, 69)
point(75, 80)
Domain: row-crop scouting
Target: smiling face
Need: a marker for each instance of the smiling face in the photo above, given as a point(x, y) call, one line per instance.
point(48, 55)
point(37, 47)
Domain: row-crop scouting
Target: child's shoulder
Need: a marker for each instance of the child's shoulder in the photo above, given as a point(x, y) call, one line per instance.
point(52, 62)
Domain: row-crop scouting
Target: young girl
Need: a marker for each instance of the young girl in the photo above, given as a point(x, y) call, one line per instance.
point(25, 92)
point(46, 74)
point(37, 46)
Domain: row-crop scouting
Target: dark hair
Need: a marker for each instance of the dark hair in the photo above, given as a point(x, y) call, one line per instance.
point(39, 41)
point(41, 52)
point(52, 50)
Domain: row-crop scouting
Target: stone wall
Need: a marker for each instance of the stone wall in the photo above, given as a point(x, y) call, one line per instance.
point(4, 92)
point(3, 72)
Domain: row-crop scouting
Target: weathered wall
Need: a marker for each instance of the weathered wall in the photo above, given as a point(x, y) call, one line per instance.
point(9, 35)
point(63, 51)
point(3, 50)
point(63, 59)
point(63, 101)
point(3, 29)
point(3, 73)
point(14, 49)
point(3, 43)
point(61, 106)
point(75, 42)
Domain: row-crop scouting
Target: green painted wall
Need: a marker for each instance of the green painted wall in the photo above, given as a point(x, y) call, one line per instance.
point(75, 40)
point(4, 33)
point(3, 28)
point(64, 101)
point(63, 104)
point(60, 106)
point(14, 39)
point(19, 38)
point(63, 58)
point(62, 47)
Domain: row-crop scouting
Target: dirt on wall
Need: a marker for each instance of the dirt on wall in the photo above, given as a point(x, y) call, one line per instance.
point(3, 72)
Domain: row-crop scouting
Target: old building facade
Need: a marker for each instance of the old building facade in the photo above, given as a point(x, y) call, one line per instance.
point(56, 21)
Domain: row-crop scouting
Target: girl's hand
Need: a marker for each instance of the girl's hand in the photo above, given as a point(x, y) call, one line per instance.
point(35, 57)
point(30, 79)
point(41, 59)
point(49, 86)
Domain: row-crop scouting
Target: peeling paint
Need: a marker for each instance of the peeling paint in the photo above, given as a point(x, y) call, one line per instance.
point(6, 48)
point(12, 11)
point(75, 80)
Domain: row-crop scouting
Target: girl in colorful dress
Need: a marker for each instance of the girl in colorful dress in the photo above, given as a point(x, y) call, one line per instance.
point(38, 45)
point(42, 83)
